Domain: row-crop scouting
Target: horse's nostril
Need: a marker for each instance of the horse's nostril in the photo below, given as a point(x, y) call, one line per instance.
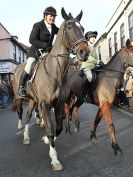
point(81, 52)
point(84, 55)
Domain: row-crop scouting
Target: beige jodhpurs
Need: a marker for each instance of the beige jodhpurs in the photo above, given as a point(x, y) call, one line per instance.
point(88, 74)
point(30, 60)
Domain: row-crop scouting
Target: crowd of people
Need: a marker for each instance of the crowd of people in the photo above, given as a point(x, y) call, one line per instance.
point(6, 93)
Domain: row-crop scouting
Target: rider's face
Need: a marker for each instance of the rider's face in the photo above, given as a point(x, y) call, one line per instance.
point(50, 19)
point(92, 40)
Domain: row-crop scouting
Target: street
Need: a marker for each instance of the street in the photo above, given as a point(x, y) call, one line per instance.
point(79, 156)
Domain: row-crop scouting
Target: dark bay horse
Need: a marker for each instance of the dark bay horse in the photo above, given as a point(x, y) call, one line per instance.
point(49, 86)
point(103, 94)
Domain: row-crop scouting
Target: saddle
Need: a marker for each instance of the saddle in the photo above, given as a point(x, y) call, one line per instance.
point(34, 68)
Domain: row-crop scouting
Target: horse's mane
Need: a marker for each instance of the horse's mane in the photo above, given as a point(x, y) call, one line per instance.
point(114, 56)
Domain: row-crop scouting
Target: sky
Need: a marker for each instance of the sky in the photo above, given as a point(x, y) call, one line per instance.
point(18, 16)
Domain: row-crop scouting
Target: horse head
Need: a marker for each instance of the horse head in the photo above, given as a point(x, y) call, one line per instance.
point(74, 39)
point(129, 52)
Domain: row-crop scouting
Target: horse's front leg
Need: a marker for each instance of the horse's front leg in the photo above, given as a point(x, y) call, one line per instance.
point(28, 117)
point(106, 109)
point(19, 107)
point(95, 125)
point(75, 107)
point(37, 116)
point(49, 138)
point(67, 117)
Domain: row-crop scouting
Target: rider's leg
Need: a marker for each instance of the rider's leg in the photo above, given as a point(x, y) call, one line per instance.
point(88, 74)
point(24, 76)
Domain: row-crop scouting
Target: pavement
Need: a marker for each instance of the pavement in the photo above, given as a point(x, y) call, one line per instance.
point(125, 110)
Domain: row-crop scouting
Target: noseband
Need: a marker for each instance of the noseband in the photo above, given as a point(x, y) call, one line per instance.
point(78, 42)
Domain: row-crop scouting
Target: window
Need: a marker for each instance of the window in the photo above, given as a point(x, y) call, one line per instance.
point(110, 48)
point(23, 57)
point(19, 56)
point(122, 35)
point(14, 52)
point(130, 19)
point(99, 52)
point(115, 42)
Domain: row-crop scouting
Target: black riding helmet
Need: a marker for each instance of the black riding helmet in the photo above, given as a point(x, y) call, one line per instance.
point(50, 11)
point(90, 34)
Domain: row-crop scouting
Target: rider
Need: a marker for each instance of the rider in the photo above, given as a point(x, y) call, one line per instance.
point(41, 37)
point(92, 60)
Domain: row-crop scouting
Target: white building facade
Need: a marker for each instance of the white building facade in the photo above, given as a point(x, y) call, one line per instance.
point(118, 30)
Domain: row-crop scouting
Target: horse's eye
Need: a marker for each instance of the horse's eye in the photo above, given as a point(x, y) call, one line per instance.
point(69, 27)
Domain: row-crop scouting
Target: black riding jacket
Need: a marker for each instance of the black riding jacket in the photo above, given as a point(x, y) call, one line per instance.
point(40, 37)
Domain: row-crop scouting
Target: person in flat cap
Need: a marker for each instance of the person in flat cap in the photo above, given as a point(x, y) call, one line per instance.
point(41, 39)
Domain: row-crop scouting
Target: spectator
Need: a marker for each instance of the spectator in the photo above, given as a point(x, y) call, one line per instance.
point(129, 91)
point(5, 95)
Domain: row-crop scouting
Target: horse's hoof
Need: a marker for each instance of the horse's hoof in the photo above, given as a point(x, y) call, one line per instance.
point(117, 150)
point(68, 131)
point(70, 118)
point(38, 121)
point(45, 139)
point(42, 125)
point(26, 141)
point(94, 140)
point(57, 167)
point(120, 153)
point(93, 137)
point(76, 130)
point(20, 129)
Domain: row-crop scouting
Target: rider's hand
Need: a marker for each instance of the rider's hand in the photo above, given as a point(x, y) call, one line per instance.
point(46, 47)
point(101, 63)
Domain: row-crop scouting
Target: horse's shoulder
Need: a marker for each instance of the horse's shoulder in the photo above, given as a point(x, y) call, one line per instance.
point(20, 66)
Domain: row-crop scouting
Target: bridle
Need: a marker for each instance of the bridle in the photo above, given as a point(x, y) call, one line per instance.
point(76, 43)
point(72, 45)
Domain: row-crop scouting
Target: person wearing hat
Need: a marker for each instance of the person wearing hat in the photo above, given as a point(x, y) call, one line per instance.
point(91, 62)
point(41, 37)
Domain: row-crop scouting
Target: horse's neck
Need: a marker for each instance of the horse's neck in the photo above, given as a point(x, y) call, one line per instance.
point(56, 64)
point(115, 70)
point(115, 63)
point(59, 46)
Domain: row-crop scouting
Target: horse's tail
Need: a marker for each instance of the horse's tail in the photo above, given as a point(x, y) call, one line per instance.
point(13, 106)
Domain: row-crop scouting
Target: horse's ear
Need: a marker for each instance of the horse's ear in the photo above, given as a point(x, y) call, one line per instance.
point(79, 16)
point(64, 15)
point(128, 43)
point(70, 15)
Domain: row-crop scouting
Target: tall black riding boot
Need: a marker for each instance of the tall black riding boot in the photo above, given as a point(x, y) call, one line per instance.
point(86, 92)
point(23, 78)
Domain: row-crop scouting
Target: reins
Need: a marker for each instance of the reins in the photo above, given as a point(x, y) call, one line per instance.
point(121, 71)
point(58, 83)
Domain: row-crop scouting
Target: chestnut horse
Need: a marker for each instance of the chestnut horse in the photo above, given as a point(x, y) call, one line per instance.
point(49, 85)
point(102, 93)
